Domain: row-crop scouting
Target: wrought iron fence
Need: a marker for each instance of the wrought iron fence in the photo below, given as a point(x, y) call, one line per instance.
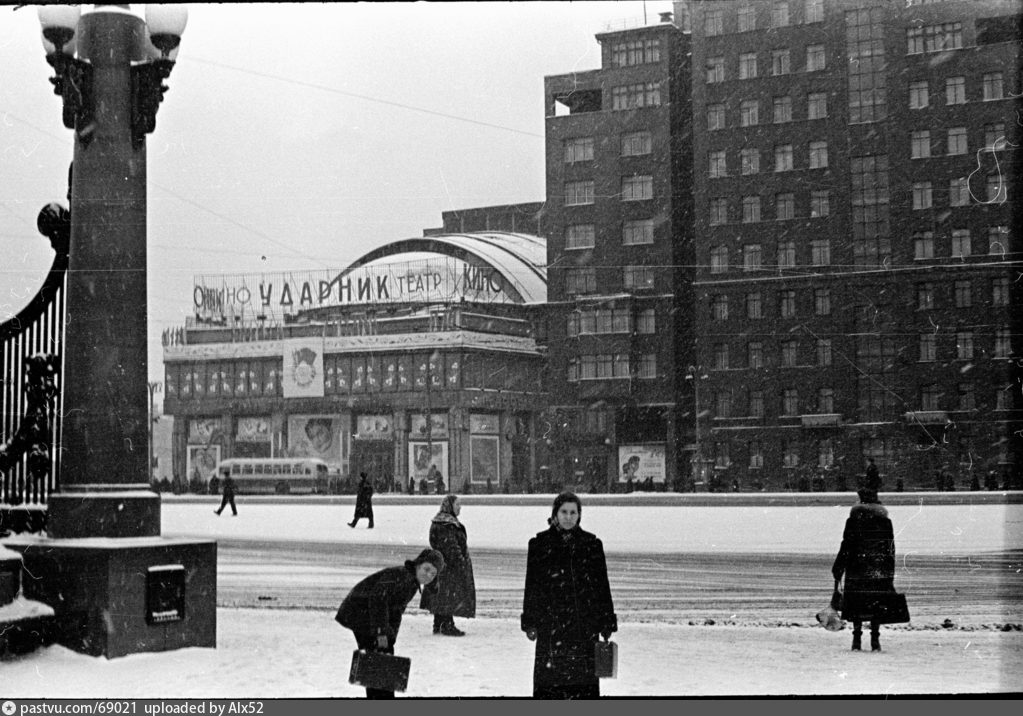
point(30, 369)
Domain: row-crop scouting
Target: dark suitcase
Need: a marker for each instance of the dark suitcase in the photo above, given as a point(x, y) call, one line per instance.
point(605, 659)
point(375, 670)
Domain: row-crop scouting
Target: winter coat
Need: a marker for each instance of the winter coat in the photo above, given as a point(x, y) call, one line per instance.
point(228, 486)
point(866, 559)
point(375, 605)
point(364, 500)
point(567, 602)
point(453, 592)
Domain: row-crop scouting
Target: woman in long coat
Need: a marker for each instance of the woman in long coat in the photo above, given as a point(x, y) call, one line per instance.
point(454, 593)
point(567, 604)
point(374, 607)
point(867, 560)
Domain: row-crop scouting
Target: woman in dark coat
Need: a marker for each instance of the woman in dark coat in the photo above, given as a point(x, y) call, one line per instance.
point(567, 604)
point(453, 594)
point(363, 502)
point(373, 609)
point(867, 560)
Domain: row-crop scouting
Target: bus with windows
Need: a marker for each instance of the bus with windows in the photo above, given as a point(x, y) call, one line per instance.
point(275, 475)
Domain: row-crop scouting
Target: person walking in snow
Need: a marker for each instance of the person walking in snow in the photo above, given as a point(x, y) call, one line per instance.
point(867, 561)
point(567, 604)
point(453, 594)
point(227, 490)
point(374, 607)
point(363, 502)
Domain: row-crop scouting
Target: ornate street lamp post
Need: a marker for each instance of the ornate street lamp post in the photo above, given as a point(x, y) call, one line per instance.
point(127, 592)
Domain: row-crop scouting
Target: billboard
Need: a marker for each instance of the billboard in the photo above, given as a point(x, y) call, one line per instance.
point(639, 462)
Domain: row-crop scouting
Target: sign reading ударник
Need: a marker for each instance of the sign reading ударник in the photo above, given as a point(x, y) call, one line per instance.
point(272, 295)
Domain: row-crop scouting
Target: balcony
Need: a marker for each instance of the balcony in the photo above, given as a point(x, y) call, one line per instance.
point(821, 420)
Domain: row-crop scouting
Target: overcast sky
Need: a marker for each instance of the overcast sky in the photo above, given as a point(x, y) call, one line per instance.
point(301, 136)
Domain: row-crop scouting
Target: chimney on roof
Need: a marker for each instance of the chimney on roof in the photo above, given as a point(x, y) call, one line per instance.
point(665, 17)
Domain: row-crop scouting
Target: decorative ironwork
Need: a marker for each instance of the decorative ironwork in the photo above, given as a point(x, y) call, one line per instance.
point(30, 349)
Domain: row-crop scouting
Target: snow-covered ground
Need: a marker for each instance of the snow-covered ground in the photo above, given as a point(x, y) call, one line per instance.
point(275, 654)
point(303, 653)
point(919, 529)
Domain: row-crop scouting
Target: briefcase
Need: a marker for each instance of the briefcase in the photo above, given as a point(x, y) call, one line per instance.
point(375, 670)
point(605, 659)
point(892, 609)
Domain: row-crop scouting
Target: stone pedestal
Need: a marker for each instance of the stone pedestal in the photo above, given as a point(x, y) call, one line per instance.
point(102, 592)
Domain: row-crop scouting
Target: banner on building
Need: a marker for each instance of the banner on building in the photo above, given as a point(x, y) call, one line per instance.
point(322, 436)
point(201, 462)
point(253, 430)
point(271, 296)
point(420, 458)
point(203, 431)
point(639, 462)
point(373, 427)
point(303, 368)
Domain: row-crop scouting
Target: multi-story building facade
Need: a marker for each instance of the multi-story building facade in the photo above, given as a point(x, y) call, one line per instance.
point(858, 238)
point(618, 158)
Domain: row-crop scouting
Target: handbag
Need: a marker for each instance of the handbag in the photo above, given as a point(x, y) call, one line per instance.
point(829, 617)
point(891, 608)
point(605, 659)
point(376, 670)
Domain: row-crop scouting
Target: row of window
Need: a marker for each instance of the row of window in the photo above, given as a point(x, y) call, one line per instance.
point(749, 158)
point(960, 247)
point(995, 191)
point(638, 187)
point(992, 88)
point(629, 53)
point(784, 204)
point(922, 141)
point(962, 292)
point(632, 144)
point(746, 16)
point(930, 397)
point(598, 321)
point(960, 193)
point(584, 280)
point(637, 232)
point(789, 351)
point(610, 366)
point(748, 67)
point(749, 111)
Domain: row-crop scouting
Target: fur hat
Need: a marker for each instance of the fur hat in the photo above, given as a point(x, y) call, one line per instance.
point(562, 499)
point(427, 555)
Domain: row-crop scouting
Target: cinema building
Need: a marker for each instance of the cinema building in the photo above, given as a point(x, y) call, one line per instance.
point(421, 353)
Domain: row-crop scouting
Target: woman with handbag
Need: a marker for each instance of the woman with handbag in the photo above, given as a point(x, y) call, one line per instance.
point(867, 561)
point(373, 609)
point(453, 594)
point(567, 604)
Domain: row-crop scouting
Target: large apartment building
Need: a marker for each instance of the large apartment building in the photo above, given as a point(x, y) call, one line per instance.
point(783, 239)
point(619, 199)
point(858, 249)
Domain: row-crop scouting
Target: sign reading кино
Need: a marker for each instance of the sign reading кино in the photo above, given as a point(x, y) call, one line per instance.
point(275, 294)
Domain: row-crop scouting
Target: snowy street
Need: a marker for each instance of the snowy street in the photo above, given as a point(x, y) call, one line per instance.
point(710, 600)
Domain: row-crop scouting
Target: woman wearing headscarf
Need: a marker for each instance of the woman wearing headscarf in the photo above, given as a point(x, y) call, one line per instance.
point(867, 561)
point(373, 609)
point(454, 593)
point(567, 604)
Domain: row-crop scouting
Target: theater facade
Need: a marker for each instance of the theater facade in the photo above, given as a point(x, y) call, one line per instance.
point(422, 353)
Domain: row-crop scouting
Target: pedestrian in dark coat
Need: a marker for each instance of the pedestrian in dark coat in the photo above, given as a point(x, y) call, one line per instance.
point(567, 604)
point(363, 502)
point(867, 561)
point(453, 594)
point(374, 607)
point(227, 488)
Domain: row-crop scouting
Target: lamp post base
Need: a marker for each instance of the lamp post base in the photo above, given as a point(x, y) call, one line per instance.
point(124, 596)
point(95, 511)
